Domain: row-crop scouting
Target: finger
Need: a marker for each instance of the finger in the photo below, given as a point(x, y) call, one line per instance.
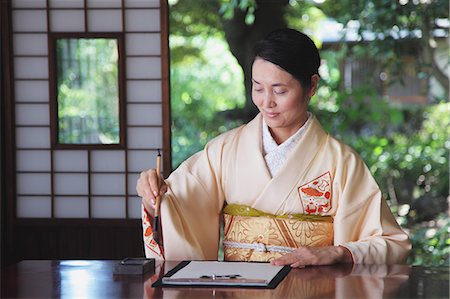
point(143, 187)
point(163, 189)
point(141, 190)
point(286, 259)
point(138, 186)
point(152, 180)
point(298, 265)
point(150, 199)
point(148, 205)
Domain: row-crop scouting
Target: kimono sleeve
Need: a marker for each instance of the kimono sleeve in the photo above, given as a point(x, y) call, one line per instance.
point(190, 211)
point(151, 247)
point(363, 222)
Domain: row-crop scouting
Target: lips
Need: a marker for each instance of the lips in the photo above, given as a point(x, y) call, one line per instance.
point(271, 114)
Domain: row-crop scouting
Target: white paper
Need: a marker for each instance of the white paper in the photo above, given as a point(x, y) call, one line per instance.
point(247, 273)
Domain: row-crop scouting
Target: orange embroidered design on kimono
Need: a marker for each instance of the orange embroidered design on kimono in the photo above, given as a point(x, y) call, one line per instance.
point(149, 241)
point(316, 195)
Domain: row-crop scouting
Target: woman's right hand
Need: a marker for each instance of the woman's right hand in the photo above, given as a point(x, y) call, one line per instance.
point(147, 188)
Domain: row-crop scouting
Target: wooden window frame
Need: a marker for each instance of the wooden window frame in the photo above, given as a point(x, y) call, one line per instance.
point(54, 121)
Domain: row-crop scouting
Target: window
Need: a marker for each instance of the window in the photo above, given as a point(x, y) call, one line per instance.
point(87, 90)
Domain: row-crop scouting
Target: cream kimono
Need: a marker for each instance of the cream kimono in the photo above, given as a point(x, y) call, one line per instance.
point(321, 178)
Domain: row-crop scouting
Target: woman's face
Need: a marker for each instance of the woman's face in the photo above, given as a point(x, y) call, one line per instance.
point(280, 98)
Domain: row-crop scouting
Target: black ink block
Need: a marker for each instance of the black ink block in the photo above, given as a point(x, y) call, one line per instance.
point(134, 266)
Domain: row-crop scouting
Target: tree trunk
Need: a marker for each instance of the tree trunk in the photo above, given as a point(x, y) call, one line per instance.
point(241, 37)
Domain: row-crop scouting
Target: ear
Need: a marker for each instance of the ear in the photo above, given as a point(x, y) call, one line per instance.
point(314, 84)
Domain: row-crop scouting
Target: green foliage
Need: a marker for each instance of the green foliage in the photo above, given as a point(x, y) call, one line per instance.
point(201, 89)
point(412, 167)
point(88, 103)
point(190, 18)
point(306, 17)
point(431, 242)
point(386, 17)
point(405, 147)
point(394, 30)
point(248, 6)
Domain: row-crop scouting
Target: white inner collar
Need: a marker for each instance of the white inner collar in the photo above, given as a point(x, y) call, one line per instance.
point(276, 155)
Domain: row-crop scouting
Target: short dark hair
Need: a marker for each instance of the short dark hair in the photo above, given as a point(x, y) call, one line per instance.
point(291, 50)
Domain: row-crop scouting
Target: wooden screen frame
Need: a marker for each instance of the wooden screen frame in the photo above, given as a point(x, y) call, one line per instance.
point(15, 230)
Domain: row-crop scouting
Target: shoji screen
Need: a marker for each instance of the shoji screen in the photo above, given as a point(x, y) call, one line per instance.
point(88, 182)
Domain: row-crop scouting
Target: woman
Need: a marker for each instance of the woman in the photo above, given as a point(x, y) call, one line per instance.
point(289, 193)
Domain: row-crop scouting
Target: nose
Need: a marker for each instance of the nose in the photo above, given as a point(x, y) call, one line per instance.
point(268, 101)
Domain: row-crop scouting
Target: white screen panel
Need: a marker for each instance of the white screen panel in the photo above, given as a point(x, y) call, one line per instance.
point(134, 207)
point(132, 179)
point(66, 3)
point(31, 67)
point(142, 20)
point(143, 44)
point(29, 3)
point(29, 137)
point(32, 114)
point(29, 20)
point(142, 3)
point(141, 160)
point(71, 183)
point(68, 160)
point(104, 3)
point(33, 183)
point(143, 68)
point(33, 160)
point(34, 207)
point(31, 91)
point(108, 161)
point(105, 20)
point(71, 207)
point(108, 207)
point(30, 44)
point(108, 184)
point(144, 138)
point(144, 91)
point(67, 20)
point(144, 114)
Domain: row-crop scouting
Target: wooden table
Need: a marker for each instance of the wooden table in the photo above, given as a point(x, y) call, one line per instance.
point(95, 279)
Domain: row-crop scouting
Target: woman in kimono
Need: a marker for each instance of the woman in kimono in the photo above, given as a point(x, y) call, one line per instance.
point(288, 192)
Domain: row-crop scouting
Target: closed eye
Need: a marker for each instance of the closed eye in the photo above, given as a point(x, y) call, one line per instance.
point(279, 92)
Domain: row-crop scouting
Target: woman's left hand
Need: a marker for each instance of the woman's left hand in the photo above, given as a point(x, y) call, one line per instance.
point(314, 256)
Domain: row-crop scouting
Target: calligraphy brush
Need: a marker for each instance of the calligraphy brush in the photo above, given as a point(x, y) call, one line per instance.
point(158, 199)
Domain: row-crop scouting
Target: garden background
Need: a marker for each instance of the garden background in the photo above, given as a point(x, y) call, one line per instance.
point(383, 90)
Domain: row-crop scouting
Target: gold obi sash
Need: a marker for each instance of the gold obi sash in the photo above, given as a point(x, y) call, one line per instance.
point(252, 235)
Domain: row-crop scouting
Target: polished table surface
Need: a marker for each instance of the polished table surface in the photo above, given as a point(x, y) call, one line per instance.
point(95, 279)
